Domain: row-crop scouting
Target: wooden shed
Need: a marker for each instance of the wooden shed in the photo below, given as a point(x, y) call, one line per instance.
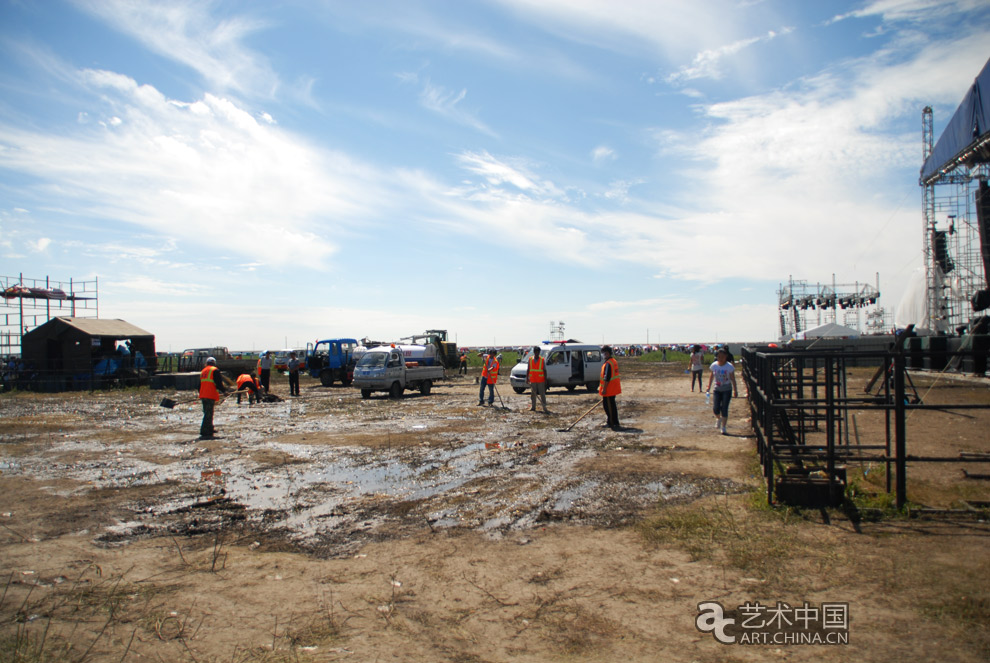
point(77, 345)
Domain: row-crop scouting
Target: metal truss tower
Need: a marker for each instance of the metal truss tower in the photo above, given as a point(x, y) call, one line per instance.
point(950, 240)
point(802, 305)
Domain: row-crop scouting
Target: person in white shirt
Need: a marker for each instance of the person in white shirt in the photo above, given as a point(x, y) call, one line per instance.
point(723, 374)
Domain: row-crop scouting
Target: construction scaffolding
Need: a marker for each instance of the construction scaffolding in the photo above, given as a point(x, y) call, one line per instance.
point(28, 303)
point(802, 306)
point(954, 266)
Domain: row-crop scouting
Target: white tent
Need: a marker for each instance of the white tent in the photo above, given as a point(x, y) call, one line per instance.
point(828, 330)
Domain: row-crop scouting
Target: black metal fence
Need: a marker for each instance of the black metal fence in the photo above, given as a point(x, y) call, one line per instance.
point(27, 378)
point(804, 414)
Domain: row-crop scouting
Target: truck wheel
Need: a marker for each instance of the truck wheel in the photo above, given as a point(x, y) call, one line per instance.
point(571, 387)
point(519, 390)
point(365, 393)
point(395, 391)
point(326, 378)
point(425, 386)
point(591, 386)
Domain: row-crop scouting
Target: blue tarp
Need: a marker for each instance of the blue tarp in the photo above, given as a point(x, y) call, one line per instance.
point(970, 124)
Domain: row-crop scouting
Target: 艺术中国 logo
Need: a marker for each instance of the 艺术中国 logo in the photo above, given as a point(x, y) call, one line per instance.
point(754, 623)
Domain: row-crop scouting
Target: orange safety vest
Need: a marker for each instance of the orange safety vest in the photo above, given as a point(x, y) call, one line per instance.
point(613, 387)
point(207, 384)
point(537, 370)
point(243, 379)
point(259, 367)
point(490, 369)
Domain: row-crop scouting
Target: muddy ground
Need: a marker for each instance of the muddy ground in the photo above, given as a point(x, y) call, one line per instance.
point(331, 528)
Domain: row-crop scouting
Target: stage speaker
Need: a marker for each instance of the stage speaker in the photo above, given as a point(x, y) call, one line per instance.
point(983, 222)
point(940, 245)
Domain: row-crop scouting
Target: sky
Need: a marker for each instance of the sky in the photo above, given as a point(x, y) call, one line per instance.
point(261, 174)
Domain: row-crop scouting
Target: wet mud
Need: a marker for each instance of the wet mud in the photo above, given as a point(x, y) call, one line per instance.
point(329, 472)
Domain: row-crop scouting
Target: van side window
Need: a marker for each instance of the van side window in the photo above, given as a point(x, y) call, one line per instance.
point(555, 358)
point(592, 356)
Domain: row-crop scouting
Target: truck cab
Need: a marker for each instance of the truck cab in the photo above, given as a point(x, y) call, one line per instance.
point(568, 365)
point(332, 360)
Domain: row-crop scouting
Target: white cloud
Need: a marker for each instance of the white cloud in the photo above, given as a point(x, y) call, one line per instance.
point(187, 32)
point(603, 153)
point(205, 171)
point(911, 10)
point(497, 172)
point(799, 181)
point(708, 63)
point(446, 103)
point(40, 244)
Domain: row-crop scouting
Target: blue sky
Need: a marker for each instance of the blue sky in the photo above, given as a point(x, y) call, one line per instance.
point(253, 174)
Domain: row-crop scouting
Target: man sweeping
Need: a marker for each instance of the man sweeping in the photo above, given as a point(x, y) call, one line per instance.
point(489, 376)
point(211, 385)
point(609, 387)
point(536, 378)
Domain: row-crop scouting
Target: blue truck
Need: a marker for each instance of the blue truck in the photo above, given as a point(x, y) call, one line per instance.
point(332, 360)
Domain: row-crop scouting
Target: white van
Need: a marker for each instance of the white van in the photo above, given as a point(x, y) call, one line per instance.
point(569, 366)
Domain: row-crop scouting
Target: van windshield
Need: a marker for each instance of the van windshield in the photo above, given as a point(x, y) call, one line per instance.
point(373, 360)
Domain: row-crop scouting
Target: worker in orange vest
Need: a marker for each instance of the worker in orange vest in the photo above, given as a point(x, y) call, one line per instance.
point(246, 382)
point(489, 376)
point(536, 378)
point(609, 387)
point(211, 385)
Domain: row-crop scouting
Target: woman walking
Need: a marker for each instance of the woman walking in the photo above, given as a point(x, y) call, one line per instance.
point(696, 365)
point(723, 374)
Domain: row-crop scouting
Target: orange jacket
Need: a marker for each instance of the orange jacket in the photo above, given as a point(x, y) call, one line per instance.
point(489, 369)
point(207, 384)
point(613, 387)
point(244, 379)
point(537, 370)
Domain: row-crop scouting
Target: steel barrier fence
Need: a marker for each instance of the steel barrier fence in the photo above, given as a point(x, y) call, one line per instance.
point(804, 417)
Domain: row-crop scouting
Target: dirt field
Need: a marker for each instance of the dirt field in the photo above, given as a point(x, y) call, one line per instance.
point(331, 528)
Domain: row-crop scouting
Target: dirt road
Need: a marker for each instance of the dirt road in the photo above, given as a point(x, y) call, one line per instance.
point(430, 529)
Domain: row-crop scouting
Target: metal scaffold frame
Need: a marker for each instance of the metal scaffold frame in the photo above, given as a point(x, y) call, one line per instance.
point(950, 240)
point(804, 417)
point(802, 305)
point(26, 303)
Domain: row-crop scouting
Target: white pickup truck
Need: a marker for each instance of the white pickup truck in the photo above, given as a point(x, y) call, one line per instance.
point(569, 366)
point(385, 368)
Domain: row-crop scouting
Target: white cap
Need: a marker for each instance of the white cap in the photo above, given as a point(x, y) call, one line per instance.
point(211, 361)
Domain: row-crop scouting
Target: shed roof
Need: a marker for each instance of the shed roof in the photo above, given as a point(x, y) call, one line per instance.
point(101, 327)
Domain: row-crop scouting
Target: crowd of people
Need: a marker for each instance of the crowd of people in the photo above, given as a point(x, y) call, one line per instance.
point(721, 376)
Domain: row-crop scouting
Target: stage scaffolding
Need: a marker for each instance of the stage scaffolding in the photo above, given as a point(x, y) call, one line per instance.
point(26, 303)
point(802, 305)
point(951, 240)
